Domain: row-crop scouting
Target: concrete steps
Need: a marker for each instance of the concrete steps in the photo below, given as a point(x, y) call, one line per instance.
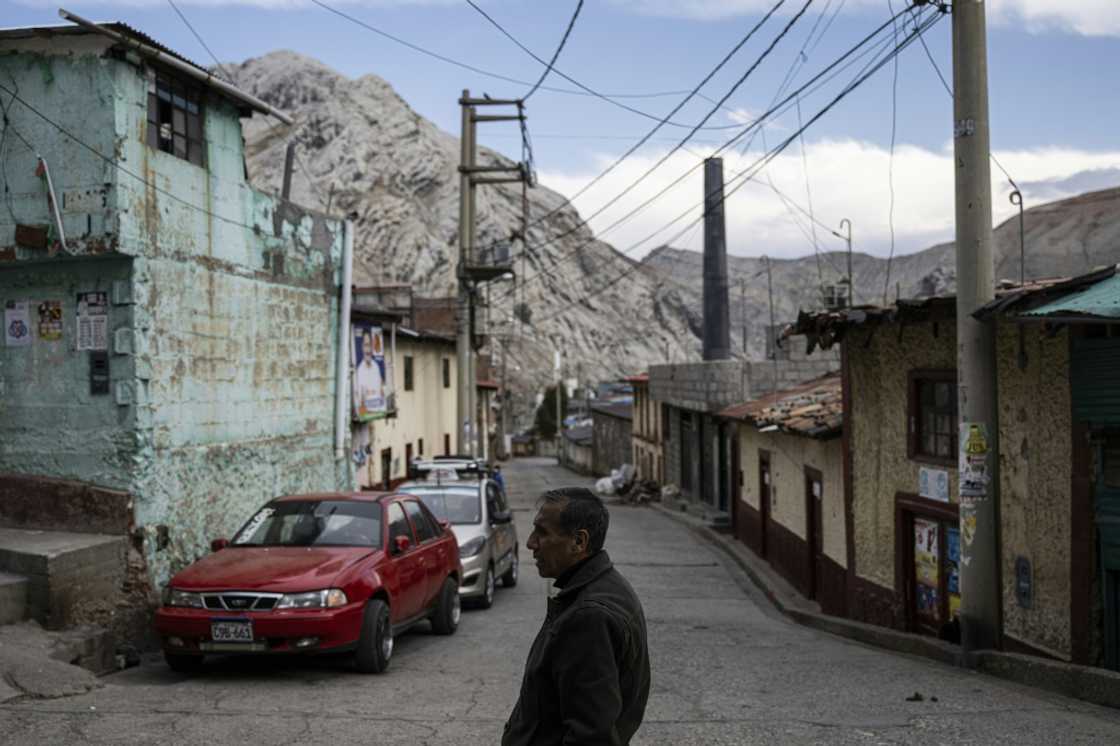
point(13, 598)
point(62, 572)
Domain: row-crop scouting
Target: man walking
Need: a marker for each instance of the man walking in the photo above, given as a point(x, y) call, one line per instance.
point(587, 677)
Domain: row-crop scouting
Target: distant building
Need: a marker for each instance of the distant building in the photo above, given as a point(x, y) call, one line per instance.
point(646, 432)
point(611, 423)
point(576, 449)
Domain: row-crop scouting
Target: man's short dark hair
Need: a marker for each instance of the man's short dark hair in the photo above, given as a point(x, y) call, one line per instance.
point(582, 510)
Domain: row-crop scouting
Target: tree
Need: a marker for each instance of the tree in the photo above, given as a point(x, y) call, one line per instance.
point(545, 423)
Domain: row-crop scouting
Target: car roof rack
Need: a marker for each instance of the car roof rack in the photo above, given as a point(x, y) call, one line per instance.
point(462, 466)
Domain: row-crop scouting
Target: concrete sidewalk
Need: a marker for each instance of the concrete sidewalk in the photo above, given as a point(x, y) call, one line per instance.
point(1095, 685)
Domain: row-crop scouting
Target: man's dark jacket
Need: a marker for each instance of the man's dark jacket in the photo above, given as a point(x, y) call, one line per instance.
point(587, 678)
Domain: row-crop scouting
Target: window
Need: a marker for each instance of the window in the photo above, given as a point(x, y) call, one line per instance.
point(420, 446)
point(175, 118)
point(933, 416)
point(408, 372)
point(446, 444)
point(446, 373)
point(313, 523)
point(398, 525)
point(407, 455)
point(424, 529)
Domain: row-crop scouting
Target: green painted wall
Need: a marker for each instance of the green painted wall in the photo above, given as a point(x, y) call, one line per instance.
point(233, 315)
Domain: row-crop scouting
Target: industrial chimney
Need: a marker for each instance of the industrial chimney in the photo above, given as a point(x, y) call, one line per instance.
point(717, 316)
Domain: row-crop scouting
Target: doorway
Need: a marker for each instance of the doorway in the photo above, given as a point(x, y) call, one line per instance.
point(929, 563)
point(764, 486)
point(814, 532)
point(386, 468)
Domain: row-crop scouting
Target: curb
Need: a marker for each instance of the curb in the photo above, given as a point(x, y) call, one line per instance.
point(1096, 685)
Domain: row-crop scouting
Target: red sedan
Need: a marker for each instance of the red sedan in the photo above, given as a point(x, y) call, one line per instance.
point(316, 573)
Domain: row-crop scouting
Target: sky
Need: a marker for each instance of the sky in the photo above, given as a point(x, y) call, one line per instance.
point(1053, 102)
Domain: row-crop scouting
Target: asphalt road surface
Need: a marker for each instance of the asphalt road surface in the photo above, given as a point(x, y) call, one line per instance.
point(727, 669)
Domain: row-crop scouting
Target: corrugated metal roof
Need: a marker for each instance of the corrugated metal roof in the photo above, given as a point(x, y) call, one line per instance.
point(624, 410)
point(1101, 300)
point(814, 409)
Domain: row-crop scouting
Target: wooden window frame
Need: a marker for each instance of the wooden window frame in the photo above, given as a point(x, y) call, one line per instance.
point(176, 117)
point(913, 416)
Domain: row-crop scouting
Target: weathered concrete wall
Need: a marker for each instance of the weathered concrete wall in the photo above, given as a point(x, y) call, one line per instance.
point(428, 411)
point(610, 442)
point(576, 456)
point(1036, 457)
point(789, 455)
point(50, 423)
point(224, 340)
point(700, 387)
point(880, 366)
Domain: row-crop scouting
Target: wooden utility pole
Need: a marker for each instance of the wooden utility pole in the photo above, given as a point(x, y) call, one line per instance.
point(474, 269)
point(976, 360)
point(743, 309)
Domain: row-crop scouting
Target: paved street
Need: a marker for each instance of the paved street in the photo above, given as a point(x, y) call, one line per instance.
point(726, 670)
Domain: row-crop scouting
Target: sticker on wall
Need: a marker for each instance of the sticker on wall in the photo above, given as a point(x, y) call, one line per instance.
point(17, 324)
point(933, 484)
point(973, 461)
point(50, 320)
point(93, 321)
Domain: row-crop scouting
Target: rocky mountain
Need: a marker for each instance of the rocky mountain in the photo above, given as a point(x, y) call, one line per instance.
point(1062, 238)
point(363, 150)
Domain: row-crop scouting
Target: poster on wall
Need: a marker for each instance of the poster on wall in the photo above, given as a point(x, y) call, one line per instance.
point(369, 373)
point(92, 328)
point(933, 484)
point(953, 570)
point(50, 320)
point(927, 545)
point(17, 324)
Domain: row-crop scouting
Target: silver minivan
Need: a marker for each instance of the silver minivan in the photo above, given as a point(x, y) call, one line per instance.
point(480, 516)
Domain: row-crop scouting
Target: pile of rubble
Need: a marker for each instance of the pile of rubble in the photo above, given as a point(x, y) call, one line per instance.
point(624, 484)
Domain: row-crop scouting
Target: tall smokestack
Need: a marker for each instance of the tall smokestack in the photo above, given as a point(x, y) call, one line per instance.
point(717, 316)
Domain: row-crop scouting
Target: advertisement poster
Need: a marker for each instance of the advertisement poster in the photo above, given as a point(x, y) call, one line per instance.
point(17, 324)
point(953, 570)
point(974, 477)
point(50, 320)
point(933, 484)
point(369, 373)
point(92, 328)
point(927, 552)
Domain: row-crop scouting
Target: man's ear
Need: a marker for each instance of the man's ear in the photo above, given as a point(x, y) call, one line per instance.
point(583, 540)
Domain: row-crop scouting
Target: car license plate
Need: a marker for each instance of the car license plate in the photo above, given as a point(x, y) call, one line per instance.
point(240, 630)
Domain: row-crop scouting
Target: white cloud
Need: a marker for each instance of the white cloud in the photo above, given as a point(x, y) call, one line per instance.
point(1088, 17)
point(848, 180)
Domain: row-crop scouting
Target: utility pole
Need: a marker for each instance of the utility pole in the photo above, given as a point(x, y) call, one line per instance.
point(976, 360)
point(559, 388)
point(503, 423)
point(771, 337)
point(473, 269)
point(743, 308)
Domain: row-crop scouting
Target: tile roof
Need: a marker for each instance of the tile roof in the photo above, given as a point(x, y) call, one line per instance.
point(640, 378)
point(814, 409)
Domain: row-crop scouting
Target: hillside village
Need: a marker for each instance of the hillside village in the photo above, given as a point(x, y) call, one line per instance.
point(223, 291)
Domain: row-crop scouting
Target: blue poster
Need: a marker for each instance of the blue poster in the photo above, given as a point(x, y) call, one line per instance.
point(953, 559)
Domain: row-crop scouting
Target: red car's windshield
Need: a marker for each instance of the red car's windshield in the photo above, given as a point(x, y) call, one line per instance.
point(318, 523)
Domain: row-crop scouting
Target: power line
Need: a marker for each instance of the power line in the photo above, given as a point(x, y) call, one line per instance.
point(556, 54)
point(814, 83)
point(481, 71)
point(661, 122)
point(890, 165)
point(746, 175)
point(742, 79)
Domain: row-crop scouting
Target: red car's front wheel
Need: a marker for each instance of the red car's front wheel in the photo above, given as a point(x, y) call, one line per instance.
point(375, 644)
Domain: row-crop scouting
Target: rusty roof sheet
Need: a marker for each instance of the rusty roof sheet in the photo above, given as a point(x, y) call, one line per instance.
point(640, 378)
point(814, 409)
point(825, 328)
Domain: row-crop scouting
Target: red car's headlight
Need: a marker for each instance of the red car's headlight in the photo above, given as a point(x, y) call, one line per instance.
point(331, 598)
point(176, 597)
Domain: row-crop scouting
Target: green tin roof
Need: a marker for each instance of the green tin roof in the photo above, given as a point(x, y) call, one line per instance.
point(1100, 300)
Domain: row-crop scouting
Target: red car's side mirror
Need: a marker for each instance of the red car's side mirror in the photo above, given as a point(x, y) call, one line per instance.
point(401, 543)
point(218, 545)
point(445, 525)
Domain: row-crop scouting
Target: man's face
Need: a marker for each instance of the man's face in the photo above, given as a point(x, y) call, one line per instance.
point(553, 549)
point(367, 347)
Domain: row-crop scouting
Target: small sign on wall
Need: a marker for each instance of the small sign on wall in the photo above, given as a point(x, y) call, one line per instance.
point(933, 484)
point(17, 324)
